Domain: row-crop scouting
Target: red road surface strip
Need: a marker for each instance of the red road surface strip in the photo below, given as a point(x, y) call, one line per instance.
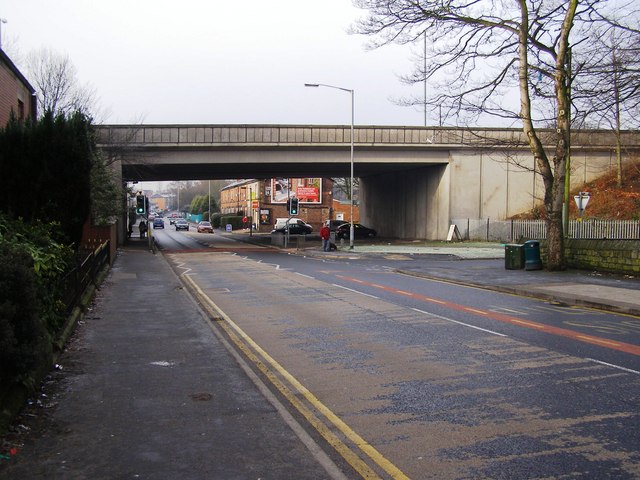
point(212, 250)
point(561, 332)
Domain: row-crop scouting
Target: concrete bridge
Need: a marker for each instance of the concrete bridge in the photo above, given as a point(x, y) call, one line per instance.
point(413, 180)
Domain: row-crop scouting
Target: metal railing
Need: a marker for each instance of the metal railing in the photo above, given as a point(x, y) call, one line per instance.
point(408, 136)
point(517, 230)
point(586, 229)
point(75, 283)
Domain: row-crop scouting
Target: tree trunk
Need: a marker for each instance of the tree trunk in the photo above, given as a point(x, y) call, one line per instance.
point(555, 234)
point(553, 179)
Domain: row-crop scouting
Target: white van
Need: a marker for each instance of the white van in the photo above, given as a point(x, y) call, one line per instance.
point(282, 222)
point(296, 226)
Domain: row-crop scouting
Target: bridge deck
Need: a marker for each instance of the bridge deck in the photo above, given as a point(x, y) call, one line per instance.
point(245, 136)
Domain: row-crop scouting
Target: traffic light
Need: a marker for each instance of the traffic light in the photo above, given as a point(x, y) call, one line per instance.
point(141, 204)
point(293, 206)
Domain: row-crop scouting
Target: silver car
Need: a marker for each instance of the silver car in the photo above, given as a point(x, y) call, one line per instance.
point(182, 224)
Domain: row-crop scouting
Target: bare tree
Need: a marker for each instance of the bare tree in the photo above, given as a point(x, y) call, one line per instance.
point(480, 49)
point(54, 77)
point(608, 94)
point(342, 187)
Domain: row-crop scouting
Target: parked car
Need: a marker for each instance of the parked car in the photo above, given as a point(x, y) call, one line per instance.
point(205, 227)
point(158, 223)
point(181, 224)
point(296, 227)
point(333, 224)
point(359, 231)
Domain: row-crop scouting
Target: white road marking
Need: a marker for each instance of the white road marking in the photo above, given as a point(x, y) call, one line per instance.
point(354, 291)
point(614, 366)
point(459, 323)
point(305, 276)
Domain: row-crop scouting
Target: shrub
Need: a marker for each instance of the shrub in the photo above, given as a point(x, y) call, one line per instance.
point(215, 220)
point(48, 258)
point(23, 333)
point(235, 222)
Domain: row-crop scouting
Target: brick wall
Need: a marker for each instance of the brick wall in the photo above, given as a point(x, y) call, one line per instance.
point(618, 256)
point(13, 90)
point(344, 208)
point(235, 197)
point(93, 236)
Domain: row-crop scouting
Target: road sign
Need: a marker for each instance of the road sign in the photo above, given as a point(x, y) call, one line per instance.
point(581, 201)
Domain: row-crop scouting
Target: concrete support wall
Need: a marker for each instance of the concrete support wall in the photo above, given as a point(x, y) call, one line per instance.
point(407, 204)
point(420, 203)
point(493, 185)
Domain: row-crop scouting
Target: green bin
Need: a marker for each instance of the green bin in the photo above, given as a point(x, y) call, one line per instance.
point(532, 259)
point(513, 256)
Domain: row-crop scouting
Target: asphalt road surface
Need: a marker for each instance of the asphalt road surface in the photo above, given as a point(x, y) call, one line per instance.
point(407, 377)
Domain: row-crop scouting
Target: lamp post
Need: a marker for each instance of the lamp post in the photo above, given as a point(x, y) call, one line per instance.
point(351, 233)
point(250, 216)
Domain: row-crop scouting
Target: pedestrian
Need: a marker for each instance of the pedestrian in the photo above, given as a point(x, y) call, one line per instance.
point(143, 228)
point(325, 235)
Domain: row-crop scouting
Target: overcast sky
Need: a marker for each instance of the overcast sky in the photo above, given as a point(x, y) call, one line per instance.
point(219, 62)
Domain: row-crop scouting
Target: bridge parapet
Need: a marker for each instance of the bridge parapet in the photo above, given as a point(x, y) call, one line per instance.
point(338, 135)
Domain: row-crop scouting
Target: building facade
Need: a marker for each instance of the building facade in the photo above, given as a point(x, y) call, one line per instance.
point(16, 93)
point(263, 201)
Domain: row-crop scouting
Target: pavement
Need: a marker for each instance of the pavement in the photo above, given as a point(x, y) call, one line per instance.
point(144, 391)
point(146, 388)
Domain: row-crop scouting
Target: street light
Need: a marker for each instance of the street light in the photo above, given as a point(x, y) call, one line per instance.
point(351, 233)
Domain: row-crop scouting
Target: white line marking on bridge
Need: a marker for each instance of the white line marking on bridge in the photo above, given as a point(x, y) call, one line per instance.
point(447, 319)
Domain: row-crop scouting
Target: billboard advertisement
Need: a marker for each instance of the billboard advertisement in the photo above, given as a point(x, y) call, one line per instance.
point(306, 190)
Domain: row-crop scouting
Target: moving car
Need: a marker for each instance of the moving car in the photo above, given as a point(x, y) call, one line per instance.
point(181, 224)
point(359, 231)
point(296, 227)
point(205, 227)
point(158, 223)
point(173, 217)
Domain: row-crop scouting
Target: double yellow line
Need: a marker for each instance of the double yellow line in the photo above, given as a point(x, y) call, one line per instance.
point(273, 371)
